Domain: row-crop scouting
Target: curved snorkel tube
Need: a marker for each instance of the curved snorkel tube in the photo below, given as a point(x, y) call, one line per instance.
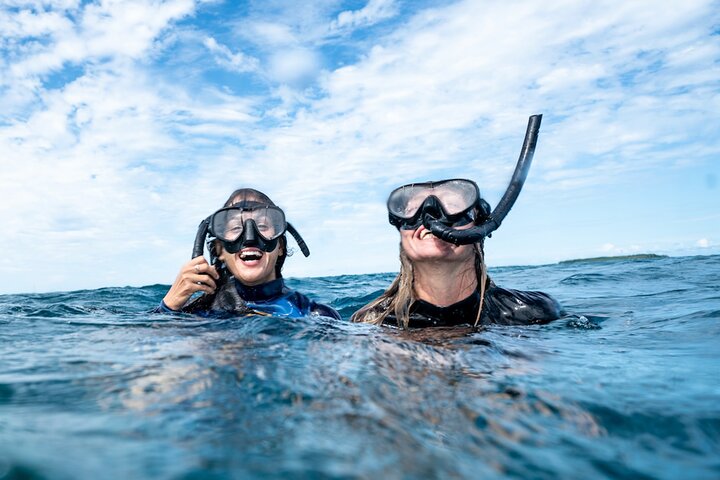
point(477, 233)
point(301, 243)
point(199, 245)
point(202, 233)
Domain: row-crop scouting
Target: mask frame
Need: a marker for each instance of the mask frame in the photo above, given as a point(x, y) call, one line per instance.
point(477, 209)
point(204, 235)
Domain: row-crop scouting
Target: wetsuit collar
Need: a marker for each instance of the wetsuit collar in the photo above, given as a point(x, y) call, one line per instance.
point(425, 314)
point(265, 291)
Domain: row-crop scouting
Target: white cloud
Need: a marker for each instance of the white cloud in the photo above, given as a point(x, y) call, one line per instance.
point(703, 243)
point(271, 33)
point(607, 247)
point(126, 158)
point(27, 23)
point(374, 11)
point(293, 65)
point(232, 61)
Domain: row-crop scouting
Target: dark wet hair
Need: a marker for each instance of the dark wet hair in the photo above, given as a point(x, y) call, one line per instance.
point(242, 194)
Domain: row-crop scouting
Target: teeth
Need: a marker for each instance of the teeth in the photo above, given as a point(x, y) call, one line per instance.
point(250, 256)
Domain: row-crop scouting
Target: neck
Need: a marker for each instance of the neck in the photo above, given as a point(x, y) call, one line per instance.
point(442, 283)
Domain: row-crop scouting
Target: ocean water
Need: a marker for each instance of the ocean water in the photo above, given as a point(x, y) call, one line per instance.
point(626, 386)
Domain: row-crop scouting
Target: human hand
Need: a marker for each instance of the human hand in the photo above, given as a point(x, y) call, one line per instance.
point(195, 276)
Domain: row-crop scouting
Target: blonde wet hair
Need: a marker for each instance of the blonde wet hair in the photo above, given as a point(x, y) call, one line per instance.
point(400, 295)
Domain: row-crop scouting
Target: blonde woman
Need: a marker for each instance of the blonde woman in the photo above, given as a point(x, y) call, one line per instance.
point(442, 283)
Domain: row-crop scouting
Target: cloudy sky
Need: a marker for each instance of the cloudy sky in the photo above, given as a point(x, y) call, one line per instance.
point(124, 123)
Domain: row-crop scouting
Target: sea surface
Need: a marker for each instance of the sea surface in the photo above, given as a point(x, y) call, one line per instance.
point(627, 385)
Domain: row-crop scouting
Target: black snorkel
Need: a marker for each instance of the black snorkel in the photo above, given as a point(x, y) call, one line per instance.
point(202, 235)
point(477, 233)
point(200, 238)
point(301, 243)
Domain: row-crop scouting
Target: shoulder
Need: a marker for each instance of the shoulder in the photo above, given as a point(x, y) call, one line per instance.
point(518, 307)
point(310, 307)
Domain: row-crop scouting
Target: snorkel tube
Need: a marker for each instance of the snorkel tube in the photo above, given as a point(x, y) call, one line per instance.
point(301, 243)
point(199, 245)
point(477, 233)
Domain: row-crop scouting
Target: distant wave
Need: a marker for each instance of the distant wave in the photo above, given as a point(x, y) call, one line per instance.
point(618, 258)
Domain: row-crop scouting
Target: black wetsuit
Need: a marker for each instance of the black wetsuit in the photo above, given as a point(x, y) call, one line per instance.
point(272, 298)
point(502, 306)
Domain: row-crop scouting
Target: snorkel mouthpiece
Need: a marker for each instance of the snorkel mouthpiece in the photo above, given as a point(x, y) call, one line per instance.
point(477, 233)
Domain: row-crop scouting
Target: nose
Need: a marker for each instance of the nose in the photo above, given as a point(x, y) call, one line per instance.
point(431, 206)
point(250, 234)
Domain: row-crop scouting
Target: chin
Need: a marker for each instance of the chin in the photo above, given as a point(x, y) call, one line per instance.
point(440, 251)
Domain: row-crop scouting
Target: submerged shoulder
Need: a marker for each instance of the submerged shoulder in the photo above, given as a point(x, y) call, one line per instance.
point(310, 307)
point(519, 307)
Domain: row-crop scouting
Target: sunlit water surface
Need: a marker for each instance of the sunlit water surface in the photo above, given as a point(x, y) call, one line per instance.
point(626, 386)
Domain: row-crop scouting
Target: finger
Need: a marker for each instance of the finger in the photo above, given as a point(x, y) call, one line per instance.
point(212, 271)
point(199, 262)
point(205, 268)
point(204, 280)
point(201, 287)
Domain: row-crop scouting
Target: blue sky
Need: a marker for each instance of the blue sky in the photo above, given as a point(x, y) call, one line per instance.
point(124, 123)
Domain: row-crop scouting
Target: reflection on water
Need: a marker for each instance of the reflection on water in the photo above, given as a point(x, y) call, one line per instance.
point(623, 388)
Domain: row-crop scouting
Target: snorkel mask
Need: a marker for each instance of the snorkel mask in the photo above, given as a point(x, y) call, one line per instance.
point(454, 203)
point(444, 206)
point(246, 224)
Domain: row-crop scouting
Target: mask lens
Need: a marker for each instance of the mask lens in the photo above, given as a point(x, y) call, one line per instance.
point(405, 201)
point(270, 222)
point(455, 196)
point(228, 224)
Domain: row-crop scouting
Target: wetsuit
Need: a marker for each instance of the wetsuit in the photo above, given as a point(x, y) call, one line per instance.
point(272, 298)
point(502, 306)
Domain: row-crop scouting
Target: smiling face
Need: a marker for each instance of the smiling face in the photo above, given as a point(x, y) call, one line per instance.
point(251, 266)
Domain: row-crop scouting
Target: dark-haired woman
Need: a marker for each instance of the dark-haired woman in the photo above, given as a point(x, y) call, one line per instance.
point(442, 284)
point(248, 252)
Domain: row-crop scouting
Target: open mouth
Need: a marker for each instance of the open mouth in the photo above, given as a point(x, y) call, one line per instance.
point(423, 233)
point(251, 255)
